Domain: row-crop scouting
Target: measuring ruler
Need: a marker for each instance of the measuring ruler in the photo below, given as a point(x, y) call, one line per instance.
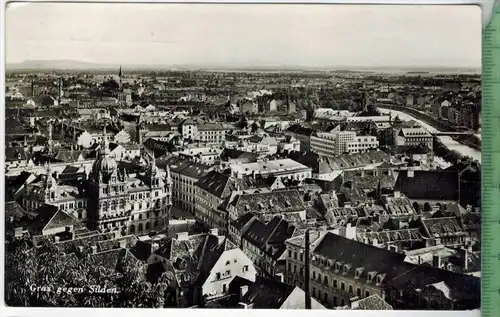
point(490, 268)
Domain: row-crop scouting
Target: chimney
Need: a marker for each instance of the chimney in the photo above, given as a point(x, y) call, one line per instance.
point(467, 252)
point(243, 291)
point(56, 239)
point(307, 276)
point(69, 228)
point(80, 249)
point(397, 194)
point(123, 244)
point(419, 260)
point(436, 261)
point(243, 305)
point(411, 173)
point(94, 249)
point(18, 232)
point(375, 242)
point(214, 231)
point(182, 236)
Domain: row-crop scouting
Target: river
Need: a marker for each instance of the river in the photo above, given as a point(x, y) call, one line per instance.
point(447, 141)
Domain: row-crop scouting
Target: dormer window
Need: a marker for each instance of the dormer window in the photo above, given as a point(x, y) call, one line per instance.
point(337, 267)
point(358, 272)
point(346, 268)
point(380, 278)
point(371, 275)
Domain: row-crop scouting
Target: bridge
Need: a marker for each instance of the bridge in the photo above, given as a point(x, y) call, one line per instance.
point(466, 133)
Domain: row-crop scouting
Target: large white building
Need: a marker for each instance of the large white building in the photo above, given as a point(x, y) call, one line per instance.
point(362, 144)
point(332, 144)
point(282, 169)
point(414, 137)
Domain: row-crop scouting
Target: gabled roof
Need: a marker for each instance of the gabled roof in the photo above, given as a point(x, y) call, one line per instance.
point(114, 258)
point(373, 302)
point(219, 184)
point(50, 217)
point(267, 293)
point(15, 154)
point(13, 209)
point(274, 202)
point(431, 185)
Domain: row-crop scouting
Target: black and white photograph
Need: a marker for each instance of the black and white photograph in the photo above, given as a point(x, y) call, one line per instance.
point(242, 156)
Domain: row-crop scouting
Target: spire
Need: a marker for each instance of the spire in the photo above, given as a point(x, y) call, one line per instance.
point(49, 141)
point(120, 75)
point(104, 144)
point(167, 175)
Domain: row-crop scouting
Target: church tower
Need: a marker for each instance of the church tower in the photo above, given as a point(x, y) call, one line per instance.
point(120, 75)
point(50, 141)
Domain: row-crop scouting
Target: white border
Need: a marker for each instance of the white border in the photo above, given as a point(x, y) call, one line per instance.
point(487, 6)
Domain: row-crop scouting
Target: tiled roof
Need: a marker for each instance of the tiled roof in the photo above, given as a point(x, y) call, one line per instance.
point(373, 302)
point(242, 221)
point(391, 236)
point(319, 164)
point(15, 154)
point(369, 181)
point(13, 209)
point(442, 227)
point(182, 166)
point(360, 257)
point(266, 293)
point(346, 161)
point(220, 185)
point(50, 217)
point(112, 259)
point(281, 201)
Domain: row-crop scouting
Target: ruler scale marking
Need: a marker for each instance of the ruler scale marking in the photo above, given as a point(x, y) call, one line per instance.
point(490, 269)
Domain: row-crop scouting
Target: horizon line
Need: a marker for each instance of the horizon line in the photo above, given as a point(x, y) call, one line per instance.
point(106, 65)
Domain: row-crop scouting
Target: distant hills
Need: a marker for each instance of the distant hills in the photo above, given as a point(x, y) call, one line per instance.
point(67, 64)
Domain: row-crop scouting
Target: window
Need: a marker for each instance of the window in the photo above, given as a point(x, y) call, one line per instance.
point(290, 254)
point(335, 283)
point(314, 291)
point(245, 268)
point(295, 255)
point(367, 294)
point(342, 286)
point(351, 289)
point(228, 273)
point(325, 280)
point(224, 288)
point(289, 267)
point(314, 275)
point(358, 292)
point(217, 276)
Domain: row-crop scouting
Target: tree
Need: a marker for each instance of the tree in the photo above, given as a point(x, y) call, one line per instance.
point(43, 277)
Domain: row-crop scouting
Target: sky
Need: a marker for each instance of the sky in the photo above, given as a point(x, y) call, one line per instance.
point(246, 35)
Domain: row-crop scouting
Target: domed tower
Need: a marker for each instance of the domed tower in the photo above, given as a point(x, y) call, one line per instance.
point(106, 207)
point(153, 174)
point(50, 187)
